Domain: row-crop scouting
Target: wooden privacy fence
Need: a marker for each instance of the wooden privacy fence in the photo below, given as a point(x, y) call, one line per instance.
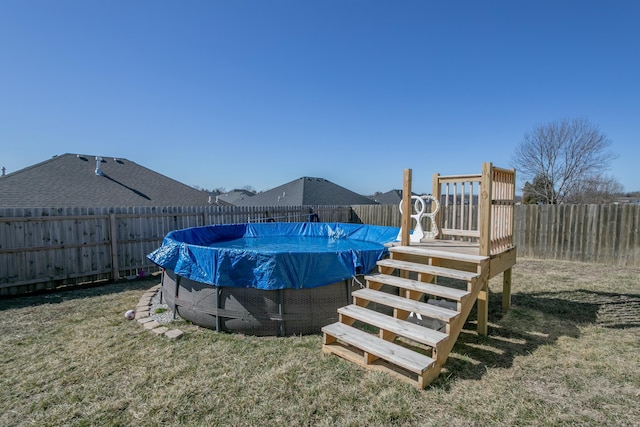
point(48, 248)
point(44, 248)
point(606, 234)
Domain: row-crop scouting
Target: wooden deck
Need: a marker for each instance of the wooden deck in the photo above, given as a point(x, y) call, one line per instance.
point(499, 262)
point(475, 244)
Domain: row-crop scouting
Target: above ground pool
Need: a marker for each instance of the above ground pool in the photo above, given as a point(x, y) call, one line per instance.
point(267, 278)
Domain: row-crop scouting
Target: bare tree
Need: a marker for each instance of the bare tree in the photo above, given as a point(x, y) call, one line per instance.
point(560, 156)
point(597, 189)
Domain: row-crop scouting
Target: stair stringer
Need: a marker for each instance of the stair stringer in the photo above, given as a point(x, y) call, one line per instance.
point(443, 349)
point(441, 352)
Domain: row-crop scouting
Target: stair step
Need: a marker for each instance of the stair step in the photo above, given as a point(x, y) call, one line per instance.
point(434, 253)
point(406, 304)
point(415, 285)
point(429, 269)
point(399, 327)
point(398, 355)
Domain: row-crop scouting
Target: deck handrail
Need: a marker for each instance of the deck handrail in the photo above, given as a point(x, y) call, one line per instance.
point(477, 207)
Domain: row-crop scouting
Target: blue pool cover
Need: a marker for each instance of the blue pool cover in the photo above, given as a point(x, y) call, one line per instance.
point(274, 255)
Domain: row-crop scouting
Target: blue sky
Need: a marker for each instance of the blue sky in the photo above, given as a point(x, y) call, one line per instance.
point(236, 93)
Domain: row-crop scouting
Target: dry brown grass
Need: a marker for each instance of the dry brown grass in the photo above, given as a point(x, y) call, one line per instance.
point(566, 354)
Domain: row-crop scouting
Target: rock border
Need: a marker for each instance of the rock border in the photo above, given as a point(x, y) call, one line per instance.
point(143, 316)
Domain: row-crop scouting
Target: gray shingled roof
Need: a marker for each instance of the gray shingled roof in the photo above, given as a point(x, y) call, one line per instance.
point(306, 191)
point(231, 197)
point(70, 180)
point(391, 197)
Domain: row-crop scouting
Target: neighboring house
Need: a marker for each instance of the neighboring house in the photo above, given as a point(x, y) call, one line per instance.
point(623, 200)
point(306, 191)
point(233, 196)
point(75, 180)
point(391, 197)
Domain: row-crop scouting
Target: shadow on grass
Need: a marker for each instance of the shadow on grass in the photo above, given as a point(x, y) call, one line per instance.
point(535, 320)
point(56, 296)
point(610, 310)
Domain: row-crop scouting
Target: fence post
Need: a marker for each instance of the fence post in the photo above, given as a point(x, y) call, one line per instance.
point(113, 236)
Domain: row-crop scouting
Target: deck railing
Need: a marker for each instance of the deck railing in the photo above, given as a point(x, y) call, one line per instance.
point(458, 216)
point(502, 197)
point(477, 208)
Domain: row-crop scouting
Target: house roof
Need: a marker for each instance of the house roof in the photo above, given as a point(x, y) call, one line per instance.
point(70, 180)
point(231, 197)
point(306, 191)
point(391, 197)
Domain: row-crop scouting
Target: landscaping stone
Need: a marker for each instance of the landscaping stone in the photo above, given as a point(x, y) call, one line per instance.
point(151, 325)
point(173, 334)
point(142, 314)
point(145, 301)
point(160, 330)
point(153, 321)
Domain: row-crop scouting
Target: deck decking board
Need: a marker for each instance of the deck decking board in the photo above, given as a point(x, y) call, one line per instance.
point(429, 269)
point(427, 251)
point(403, 328)
point(415, 285)
point(401, 356)
point(406, 304)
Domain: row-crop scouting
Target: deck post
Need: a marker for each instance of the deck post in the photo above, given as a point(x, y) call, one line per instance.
point(483, 308)
point(506, 290)
point(484, 217)
point(406, 209)
point(506, 278)
point(484, 223)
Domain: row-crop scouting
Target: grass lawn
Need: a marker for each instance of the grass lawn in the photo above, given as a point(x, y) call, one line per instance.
point(568, 353)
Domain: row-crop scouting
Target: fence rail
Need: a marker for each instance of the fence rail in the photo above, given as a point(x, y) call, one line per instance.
point(49, 248)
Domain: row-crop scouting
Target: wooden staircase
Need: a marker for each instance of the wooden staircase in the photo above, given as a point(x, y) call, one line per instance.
point(405, 288)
